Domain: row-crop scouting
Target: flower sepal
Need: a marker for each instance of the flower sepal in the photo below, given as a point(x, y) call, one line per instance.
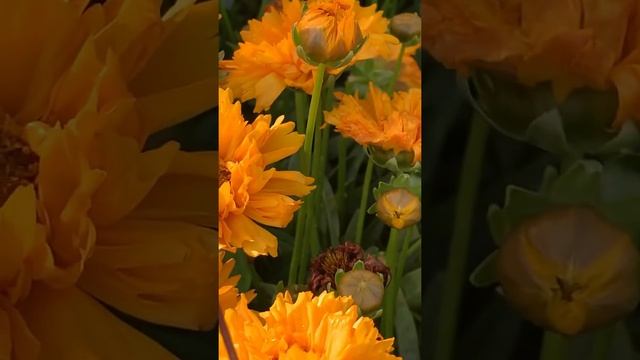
point(582, 123)
point(398, 202)
point(332, 64)
point(401, 162)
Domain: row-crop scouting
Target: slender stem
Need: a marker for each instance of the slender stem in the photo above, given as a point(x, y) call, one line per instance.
point(396, 70)
point(298, 249)
point(362, 212)
point(389, 300)
point(226, 21)
point(311, 227)
point(342, 176)
point(313, 115)
point(389, 8)
point(554, 347)
point(297, 245)
point(602, 344)
point(302, 106)
point(459, 248)
point(226, 336)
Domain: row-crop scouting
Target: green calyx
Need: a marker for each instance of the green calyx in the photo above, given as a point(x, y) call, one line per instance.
point(578, 125)
point(610, 188)
point(398, 163)
point(410, 182)
point(297, 40)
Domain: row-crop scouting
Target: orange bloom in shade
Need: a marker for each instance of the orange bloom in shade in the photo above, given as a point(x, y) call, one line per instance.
point(388, 123)
point(324, 327)
point(328, 30)
point(86, 213)
point(249, 192)
point(571, 44)
point(266, 62)
point(228, 294)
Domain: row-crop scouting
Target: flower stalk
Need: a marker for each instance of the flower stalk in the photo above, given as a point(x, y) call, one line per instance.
point(396, 70)
point(301, 222)
point(391, 293)
point(362, 212)
point(459, 248)
point(554, 347)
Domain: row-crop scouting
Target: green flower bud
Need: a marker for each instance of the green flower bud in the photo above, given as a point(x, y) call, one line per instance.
point(406, 27)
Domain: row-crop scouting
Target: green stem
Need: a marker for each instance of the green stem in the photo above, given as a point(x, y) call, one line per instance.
point(364, 198)
point(233, 37)
point(396, 71)
point(298, 249)
point(302, 106)
point(389, 300)
point(455, 274)
point(297, 245)
point(554, 347)
point(342, 176)
point(602, 344)
point(313, 115)
point(389, 8)
point(311, 227)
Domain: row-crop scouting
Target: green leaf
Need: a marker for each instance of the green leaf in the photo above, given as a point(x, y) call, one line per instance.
point(412, 288)
point(486, 273)
point(406, 331)
point(331, 213)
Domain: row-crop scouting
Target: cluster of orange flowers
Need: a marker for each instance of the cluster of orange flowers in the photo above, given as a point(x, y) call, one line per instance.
point(572, 44)
point(86, 213)
point(253, 193)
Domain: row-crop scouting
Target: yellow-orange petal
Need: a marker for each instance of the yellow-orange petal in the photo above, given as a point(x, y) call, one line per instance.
point(159, 271)
point(72, 325)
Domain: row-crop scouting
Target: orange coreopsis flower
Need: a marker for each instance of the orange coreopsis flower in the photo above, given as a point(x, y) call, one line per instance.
point(249, 192)
point(266, 62)
point(571, 44)
point(85, 211)
point(228, 295)
point(328, 30)
point(323, 327)
point(389, 123)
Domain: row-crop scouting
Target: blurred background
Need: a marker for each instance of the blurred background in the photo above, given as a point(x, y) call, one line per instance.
point(488, 329)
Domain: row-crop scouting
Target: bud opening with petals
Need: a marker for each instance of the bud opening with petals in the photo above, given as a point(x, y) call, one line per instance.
point(399, 208)
point(569, 270)
point(328, 32)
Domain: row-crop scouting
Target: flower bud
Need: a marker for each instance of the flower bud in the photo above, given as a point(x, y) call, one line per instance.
point(328, 32)
point(342, 259)
point(403, 161)
point(366, 288)
point(399, 208)
point(569, 270)
point(406, 26)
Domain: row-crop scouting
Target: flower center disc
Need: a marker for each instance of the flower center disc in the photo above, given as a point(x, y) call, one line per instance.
point(18, 164)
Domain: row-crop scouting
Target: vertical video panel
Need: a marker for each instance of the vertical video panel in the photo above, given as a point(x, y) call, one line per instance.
point(320, 196)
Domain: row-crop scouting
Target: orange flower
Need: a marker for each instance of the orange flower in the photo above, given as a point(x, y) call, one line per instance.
point(392, 124)
point(323, 327)
point(570, 44)
point(228, 294)
point(328, 30)
point(266, 62)
point(249, 193)
point(85, 213)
